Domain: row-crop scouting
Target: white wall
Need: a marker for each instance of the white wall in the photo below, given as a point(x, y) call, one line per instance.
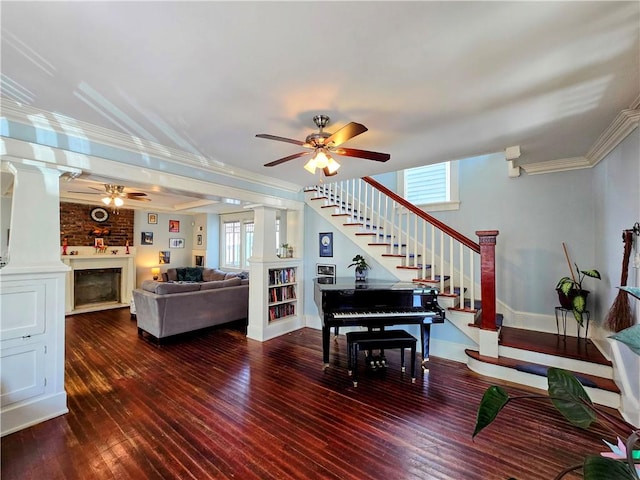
point(616, 187)
point(147, 255)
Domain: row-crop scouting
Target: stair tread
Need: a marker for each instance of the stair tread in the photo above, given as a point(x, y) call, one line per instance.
point(552, 344)
point(529, 367)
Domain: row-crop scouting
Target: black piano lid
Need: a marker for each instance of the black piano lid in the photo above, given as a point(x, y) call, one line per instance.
point(349, 283)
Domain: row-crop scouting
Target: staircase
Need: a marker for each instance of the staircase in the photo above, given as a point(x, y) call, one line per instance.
point(415, 247)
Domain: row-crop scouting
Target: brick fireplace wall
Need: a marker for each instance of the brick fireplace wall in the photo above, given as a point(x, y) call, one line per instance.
point(81, 230)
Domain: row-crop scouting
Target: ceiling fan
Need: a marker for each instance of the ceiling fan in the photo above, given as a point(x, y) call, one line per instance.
point(114, 194)
point(322, 144)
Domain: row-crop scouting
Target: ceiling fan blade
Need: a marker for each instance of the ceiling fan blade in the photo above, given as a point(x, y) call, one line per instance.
point(354, 152)
point(286, 159)
point(134, 194)
point(139, 199)
point(327, 172)
point(86, 193)
point(280, 139)
point(101, 190)
point(347, 132)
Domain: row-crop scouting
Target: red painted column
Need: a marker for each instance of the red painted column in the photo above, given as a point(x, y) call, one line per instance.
point(487, 242)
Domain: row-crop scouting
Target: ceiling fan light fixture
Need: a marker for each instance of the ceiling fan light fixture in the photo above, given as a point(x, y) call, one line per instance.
point(311, 166)
point(332, 166)
point(118, 201)
point(106, 200)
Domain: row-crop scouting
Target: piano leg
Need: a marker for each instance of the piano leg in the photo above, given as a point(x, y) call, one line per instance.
point(326, 333)
point(426, 334)
point(335, 334)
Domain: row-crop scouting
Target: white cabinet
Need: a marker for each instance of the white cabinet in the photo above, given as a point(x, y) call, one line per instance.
point(31, 348)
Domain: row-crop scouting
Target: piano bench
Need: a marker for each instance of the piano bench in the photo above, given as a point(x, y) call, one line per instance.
point(380, 340)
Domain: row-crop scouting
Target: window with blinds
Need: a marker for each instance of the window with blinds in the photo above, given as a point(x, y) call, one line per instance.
point(428, 184)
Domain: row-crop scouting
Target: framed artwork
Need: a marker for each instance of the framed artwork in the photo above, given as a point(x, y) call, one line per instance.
point(146, 238)
point(165, 257)
point(199, 239)
point(98, 242)
point(174, 226)
point(176, 243)
point(324, 270)
point(152, 218)
point(326, 244)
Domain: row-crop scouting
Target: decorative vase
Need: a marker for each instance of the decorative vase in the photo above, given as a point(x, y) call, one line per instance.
point(361, 274)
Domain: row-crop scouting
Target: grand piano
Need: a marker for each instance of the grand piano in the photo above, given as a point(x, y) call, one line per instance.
point(343, 302)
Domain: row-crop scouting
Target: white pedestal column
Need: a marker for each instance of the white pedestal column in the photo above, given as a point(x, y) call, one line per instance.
point(32, 290)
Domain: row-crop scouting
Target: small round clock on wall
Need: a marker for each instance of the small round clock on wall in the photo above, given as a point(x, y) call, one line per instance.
point(99, 214)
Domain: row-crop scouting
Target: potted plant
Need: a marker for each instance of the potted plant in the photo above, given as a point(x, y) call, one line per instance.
point(571, 294)
point(361, 267)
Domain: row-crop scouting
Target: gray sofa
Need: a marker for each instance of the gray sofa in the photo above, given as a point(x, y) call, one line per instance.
point(164, 309)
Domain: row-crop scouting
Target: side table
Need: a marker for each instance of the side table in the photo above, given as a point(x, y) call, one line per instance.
point(562, 312)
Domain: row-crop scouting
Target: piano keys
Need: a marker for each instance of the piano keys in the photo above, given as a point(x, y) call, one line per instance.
point(344, 302)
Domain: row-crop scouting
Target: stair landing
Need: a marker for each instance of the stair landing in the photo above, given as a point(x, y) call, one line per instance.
point(602, 390)
point(552, 344)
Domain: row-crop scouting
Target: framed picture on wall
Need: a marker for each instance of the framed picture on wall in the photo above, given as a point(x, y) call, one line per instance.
point(164, 257)
point(174, 226)
point(199, 239)
point(147, 238)
point(324, 270)
point(326, 244)
point(176, 243)
point(152, 218)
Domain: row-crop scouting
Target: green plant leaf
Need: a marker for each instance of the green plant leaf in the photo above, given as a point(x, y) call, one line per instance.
point(564, 280)
point(570, 398)
point(591, 273)
point(579, 303)
point(566, 287)
point(601, 468)
point(630, 337)
point(493, 400)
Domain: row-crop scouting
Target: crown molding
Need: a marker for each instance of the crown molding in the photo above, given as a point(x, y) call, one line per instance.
point(553, 166)
point(71, 127)
point(624, 123)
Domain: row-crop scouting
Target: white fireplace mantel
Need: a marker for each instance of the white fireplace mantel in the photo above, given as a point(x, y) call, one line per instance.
point(88, 261)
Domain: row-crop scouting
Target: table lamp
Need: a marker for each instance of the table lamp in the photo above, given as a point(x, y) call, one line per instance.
point(155, 271)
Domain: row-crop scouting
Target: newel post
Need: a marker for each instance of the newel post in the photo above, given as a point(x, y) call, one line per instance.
point(487, 242)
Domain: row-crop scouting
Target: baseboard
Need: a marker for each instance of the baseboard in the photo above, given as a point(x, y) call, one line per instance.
point(27, 414)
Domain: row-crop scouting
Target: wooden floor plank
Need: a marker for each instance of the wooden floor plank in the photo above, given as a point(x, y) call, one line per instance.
point(217, 405)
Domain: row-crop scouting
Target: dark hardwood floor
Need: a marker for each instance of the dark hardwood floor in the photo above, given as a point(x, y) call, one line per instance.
point(219, 406)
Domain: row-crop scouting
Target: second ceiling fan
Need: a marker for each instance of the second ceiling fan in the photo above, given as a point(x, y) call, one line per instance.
point(322, 144)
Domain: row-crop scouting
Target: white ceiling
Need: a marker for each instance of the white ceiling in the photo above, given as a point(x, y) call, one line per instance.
point(433, 81)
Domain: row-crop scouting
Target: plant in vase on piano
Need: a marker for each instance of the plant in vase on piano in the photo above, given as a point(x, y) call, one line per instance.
point(361, 267)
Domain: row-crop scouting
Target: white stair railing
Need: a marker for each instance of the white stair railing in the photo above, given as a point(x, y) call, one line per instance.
point(437, 254)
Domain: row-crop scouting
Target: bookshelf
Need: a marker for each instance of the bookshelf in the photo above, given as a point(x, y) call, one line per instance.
point(282, 293)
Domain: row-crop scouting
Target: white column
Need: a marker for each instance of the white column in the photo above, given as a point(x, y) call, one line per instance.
point(34, 241)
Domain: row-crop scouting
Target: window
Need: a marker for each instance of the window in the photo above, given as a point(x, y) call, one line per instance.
point(231, 244)
point(432, 186)
point(248, 242)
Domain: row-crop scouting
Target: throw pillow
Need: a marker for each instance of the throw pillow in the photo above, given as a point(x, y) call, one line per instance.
point(192, 274)
point(211, 274)
point(180, 274)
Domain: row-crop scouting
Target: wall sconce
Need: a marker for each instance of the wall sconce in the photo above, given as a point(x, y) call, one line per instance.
point(155, 271)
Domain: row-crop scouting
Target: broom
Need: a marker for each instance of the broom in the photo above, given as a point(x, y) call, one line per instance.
point(620, 316)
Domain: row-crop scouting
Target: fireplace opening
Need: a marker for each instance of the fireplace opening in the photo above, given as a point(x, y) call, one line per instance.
point(98, 285)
